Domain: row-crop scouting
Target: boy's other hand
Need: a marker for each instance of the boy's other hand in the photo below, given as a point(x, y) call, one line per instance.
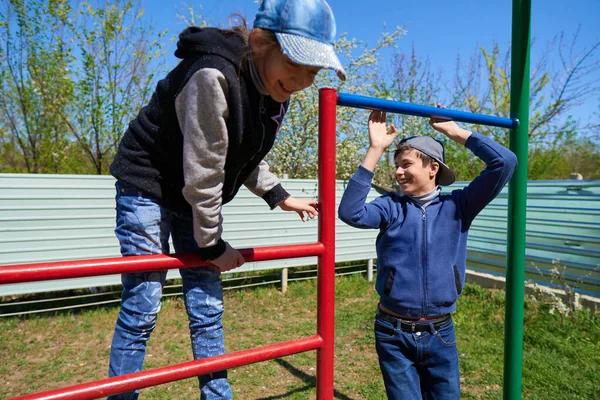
point(449, 128)
point(229, 260)
point(301, 206)
point(379, 136)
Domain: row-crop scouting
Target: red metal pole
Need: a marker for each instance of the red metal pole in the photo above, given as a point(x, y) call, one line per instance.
point(326, 282)
point(158, 376)
point(119, 265)
point(323, 342)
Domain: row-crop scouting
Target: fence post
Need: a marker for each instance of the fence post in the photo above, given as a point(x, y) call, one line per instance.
point(284, 280)
point(370, 270)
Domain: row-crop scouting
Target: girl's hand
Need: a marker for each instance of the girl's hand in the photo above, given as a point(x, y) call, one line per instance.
point(229, 260)
point(379, 136)
point(301, 206)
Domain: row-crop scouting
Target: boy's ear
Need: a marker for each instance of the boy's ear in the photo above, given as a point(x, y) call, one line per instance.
point(434, 168)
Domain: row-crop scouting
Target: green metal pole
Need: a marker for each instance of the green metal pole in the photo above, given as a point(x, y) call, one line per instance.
point(517, 201)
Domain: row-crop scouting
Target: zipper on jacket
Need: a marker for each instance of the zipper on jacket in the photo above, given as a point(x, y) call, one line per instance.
point(424, 260)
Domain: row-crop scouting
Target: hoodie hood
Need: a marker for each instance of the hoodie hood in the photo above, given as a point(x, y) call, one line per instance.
point(195, 41)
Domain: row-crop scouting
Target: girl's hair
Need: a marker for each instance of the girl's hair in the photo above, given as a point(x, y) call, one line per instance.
point(420, 155)
point(266, 37)
point(239, 27)
point(241, 30)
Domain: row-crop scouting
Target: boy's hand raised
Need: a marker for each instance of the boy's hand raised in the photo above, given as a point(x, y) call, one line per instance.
point(379, 136)
point(300, 206)
point(229, 260)
point(450, 128)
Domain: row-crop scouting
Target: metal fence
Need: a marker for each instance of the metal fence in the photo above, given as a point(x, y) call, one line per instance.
point(68, 217)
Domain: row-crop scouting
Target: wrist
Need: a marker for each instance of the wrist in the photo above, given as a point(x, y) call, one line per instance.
point(376, 150)
point(284, 202)
point(461, 136)
point(213, 252)
point(372, 158)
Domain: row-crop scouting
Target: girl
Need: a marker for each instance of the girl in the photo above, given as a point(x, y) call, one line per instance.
point(204, 133)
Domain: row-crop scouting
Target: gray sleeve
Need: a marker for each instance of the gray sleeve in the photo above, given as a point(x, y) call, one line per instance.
point(261, 180)
point(202, 112)
point(265, 184)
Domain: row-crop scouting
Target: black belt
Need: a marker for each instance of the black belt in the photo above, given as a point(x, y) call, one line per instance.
point(408, 325)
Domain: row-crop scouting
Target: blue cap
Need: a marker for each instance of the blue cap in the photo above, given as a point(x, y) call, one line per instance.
point(305, 30)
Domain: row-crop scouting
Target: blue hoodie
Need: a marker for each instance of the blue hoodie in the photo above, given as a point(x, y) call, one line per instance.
point(422, 252)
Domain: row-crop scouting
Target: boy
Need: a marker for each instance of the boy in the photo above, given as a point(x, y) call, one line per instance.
point(421, 251)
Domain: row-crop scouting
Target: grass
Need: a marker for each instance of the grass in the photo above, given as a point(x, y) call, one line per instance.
point(561, 361)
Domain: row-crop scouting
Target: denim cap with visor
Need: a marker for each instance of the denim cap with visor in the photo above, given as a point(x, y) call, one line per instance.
point(434, 149)
point(305, 30)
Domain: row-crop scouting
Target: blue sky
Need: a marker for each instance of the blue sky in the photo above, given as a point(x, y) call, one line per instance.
point(440, 30)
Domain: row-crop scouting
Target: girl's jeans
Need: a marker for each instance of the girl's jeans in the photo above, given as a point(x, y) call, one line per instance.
point(418, 365)
point(143, 227)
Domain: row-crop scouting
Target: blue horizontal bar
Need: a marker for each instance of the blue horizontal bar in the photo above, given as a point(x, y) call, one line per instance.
point(372, 103)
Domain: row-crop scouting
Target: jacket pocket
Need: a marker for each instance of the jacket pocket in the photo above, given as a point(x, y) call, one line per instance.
point(457, 281)
point(389, 283)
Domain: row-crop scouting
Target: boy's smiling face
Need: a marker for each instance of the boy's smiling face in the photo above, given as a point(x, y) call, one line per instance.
point(413, 178)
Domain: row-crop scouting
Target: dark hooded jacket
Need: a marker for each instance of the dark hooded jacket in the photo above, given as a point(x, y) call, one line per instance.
point(150, 154)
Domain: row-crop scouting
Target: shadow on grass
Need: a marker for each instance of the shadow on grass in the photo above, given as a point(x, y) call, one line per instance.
point(311, 382)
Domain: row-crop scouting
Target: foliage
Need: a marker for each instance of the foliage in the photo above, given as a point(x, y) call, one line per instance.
point(554, 93)
point(114, 80)
point(71, 80)
point(563, 299)
point(411, 81)
point(559, 144)
point(73, 74)
point(295, 151)
point(34, 81)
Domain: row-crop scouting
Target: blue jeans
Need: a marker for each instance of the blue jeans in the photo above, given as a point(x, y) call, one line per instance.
point(143, 227)
point(418, 365)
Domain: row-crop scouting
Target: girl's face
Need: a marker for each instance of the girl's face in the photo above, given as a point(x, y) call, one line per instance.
point(281, 76)
point(414, 179)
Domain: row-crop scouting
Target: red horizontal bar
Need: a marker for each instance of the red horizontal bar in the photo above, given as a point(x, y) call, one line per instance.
point(159, 376)
point(118, 265)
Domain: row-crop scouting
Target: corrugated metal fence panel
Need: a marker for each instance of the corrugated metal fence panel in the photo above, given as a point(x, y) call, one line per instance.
point(562, 231)
point(54, 218)
point(62, 217)
point(47, 218)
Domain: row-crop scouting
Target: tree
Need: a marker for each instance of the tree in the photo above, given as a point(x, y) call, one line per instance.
point(34, 81)
point(295, 150)
point(71, 80)
point(113, 78)
point(554, 93)
point(559, 144)
point(412, 81)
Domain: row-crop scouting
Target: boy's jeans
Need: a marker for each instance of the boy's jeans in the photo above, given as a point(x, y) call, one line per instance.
point(143, 227)
point(418, 365)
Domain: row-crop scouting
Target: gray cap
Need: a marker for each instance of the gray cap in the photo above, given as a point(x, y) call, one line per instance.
point(434, 149)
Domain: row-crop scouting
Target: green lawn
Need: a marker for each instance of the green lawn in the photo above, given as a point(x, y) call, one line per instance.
point(560, 361)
